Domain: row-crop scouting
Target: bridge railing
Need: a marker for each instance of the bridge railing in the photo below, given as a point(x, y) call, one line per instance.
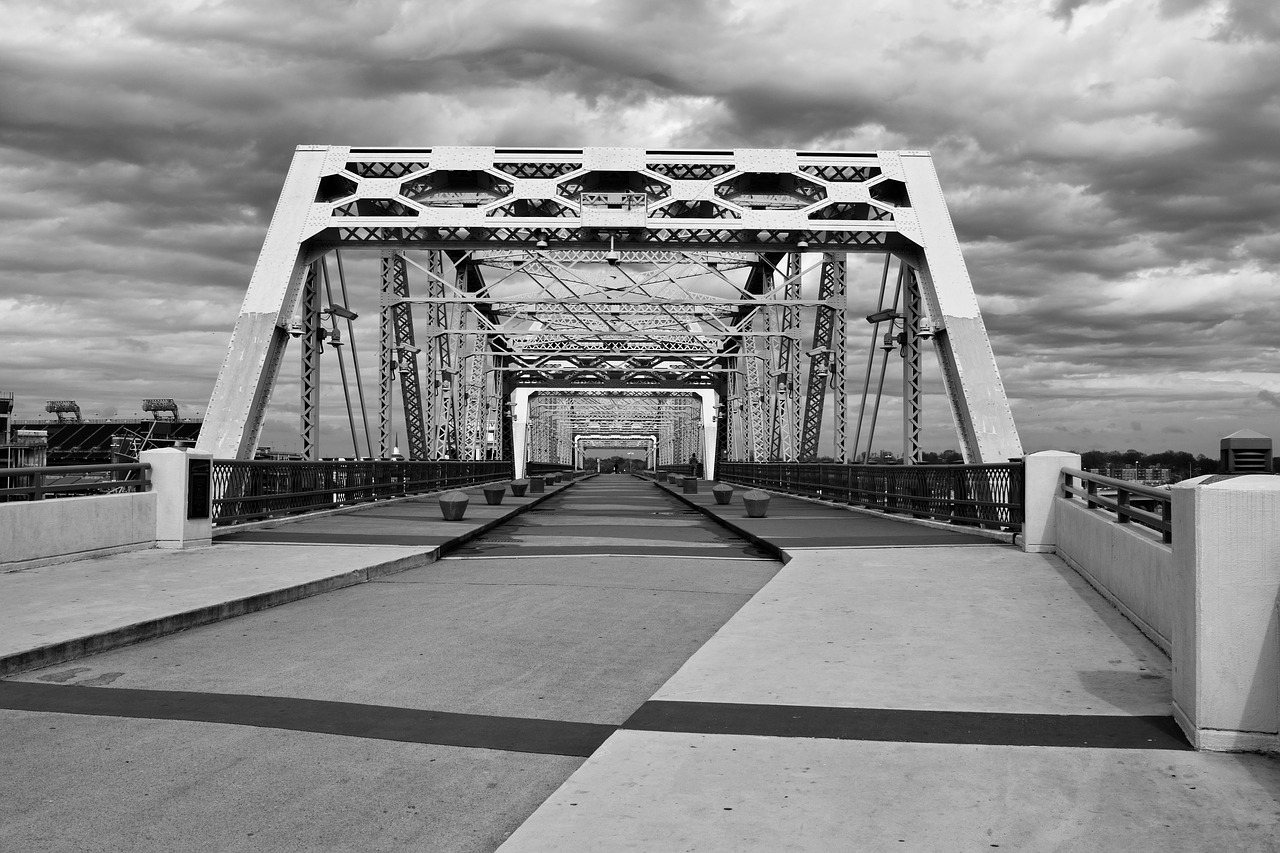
point(1131, 502)
point(536, 468)
point(253, 490)
point(988, 495)
point(53, 481)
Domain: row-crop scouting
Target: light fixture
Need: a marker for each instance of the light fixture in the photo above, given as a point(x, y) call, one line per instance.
point(802, 245)
point(882, 316)
point(613, 255)
point(340, 311)
point(295, 327)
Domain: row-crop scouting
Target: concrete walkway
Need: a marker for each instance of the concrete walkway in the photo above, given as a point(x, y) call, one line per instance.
point(890, 698)
point(61, 612)
point(891, 687)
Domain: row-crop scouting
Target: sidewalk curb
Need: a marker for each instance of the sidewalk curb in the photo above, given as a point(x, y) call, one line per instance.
point(150, 629)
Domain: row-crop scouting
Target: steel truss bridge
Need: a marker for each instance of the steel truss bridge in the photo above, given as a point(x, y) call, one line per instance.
point(536, 303)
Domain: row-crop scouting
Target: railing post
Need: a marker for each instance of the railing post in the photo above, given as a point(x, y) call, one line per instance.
point(179, 523)
point(1122, 506)
point(1041, 474)
point(1226, 658)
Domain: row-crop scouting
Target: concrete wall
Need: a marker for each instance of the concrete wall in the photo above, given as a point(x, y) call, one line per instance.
point(36, 533)
point(1128, 564)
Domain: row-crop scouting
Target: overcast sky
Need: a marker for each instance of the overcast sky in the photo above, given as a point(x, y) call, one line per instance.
point(1113, 168)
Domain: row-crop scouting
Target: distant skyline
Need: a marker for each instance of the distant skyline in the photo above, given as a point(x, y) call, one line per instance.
point(1112, 166)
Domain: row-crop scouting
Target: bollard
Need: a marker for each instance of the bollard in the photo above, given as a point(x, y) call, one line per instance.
point(756, 502)
point(537, 485)
point(690, 485)
point(519, 487)
point(453, 505)
point(493, 494)
point(662, 476)
point(722, 493)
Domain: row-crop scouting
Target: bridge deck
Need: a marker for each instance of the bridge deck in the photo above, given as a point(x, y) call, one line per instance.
point(946, 697)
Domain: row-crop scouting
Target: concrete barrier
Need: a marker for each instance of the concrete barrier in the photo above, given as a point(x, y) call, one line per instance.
point(1128, 564)
point(1226, 635)
point(40, 533)
point(1210, 599)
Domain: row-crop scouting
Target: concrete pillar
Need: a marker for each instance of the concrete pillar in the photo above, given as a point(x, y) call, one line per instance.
point(1043, 473)
point(1226, 636)
point(172, 484)
point(710, 400)
point(520, 429)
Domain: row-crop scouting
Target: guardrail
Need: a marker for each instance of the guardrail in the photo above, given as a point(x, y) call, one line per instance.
point(988, 495)
point(246, 490)
point(54, 481)
point(1132, 502)
point(546, 467)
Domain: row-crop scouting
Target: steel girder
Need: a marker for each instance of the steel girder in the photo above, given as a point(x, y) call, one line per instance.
point(786, 421)
point(826, 361)
point(725, 210)
point(397, 317)
point(312, 346)
point(912, 391)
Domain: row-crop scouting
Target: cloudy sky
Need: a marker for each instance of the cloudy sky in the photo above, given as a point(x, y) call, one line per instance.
point(1113, 168)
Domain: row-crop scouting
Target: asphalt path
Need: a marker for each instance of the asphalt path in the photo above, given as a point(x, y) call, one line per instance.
point(434, 709)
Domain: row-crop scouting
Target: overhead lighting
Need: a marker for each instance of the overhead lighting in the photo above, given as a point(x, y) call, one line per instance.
point(882, 316)
point(340, 311)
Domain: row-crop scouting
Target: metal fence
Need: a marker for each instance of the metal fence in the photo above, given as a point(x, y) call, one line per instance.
point(62, 481)
point(1131, 502)
point(537, 468)
point(259, 489)
point(981, 495)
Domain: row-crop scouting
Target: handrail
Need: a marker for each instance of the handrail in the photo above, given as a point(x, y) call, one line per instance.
point(1160, 520)
point(988, 495)
point(252, 490)
point(31, 484)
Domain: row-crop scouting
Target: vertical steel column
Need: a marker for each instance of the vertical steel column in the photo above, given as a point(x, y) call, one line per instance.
point(386, 366)
point(786, 423)
point(311, 349)
point(395, 283)
point(821, 356)
point(839, 346)
point(473, 394)
point(436, 414)
point(911, 370)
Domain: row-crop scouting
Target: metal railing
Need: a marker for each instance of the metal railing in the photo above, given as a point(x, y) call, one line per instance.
point(62, 481)
point(253, 490)
point(1131, 503)
point(988, 495)
point(537, 468)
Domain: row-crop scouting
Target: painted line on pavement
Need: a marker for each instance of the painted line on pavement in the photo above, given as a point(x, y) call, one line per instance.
point(558, 737)
point(907, 726)
point(379, 722)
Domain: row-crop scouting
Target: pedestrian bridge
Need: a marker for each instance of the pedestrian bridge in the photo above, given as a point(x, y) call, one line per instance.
point(608, 662)
point(322, 653)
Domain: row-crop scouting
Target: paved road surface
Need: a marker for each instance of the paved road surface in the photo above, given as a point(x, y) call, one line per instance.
point(434, 709)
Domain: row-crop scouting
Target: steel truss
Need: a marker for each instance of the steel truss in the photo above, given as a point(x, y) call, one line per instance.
point(651, 271)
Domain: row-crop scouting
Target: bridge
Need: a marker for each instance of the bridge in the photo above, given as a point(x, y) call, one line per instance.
point(482, 646)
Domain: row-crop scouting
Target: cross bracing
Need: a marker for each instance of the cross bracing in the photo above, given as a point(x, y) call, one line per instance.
point(721, 273)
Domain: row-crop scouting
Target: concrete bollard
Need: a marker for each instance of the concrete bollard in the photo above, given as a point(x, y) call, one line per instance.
point(537, 485)
point(756, 502)
point(493, 494)
point(723, 493)
point(662, 476)
point(453, 505)
point(519, 487)
point(690, 485)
